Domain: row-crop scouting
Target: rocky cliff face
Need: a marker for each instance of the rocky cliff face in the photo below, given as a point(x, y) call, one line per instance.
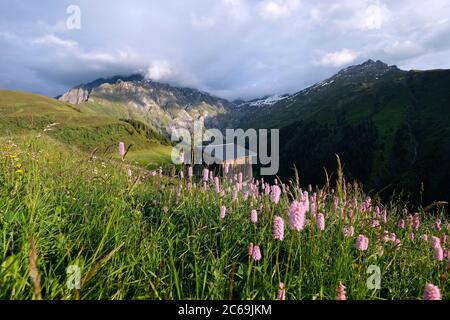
point(75, 95)
point(159, 105)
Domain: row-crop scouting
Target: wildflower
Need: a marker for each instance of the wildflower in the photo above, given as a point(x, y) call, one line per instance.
point(380, 250)
point(235, 195)
point(366, 204)
point(437, 224)
point(349, 231)
point(448, 259)
point(296, 216)
point(190, 172)
point(205, 175)
point(275, 194)
point(256, 255)
point(411, 236)
point(129, 173)
point(278, 228)
point(350, 214)
point(397, 244)
point(181, 157)
point(392, 237)
point(416, 221)
point(254, 216)
point(424, 237)
point(444, 239)
point(122, 151)
point(431, 292)
point(401, 224)
point(250, 249)
point(435, 242)
point(439, 253)
point(223, 210)
point(375, 224)
point(281, 293)
point(362, 243)
point(335, 203)
point(320, 221)
point(217, 184)
point(226, 168)
point(341, 292)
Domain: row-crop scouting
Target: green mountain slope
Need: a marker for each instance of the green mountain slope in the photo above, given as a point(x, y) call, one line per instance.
point(25, 113)
point(390, 127)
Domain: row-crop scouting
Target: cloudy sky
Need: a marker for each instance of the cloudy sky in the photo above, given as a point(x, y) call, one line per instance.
point(231, 48)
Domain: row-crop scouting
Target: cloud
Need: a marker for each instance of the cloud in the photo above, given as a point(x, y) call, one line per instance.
point(338, 58)
point(159, 70)
point(375, 16)
point(51, 39)
point(404, 49)
point(272, 9)
point(231, 48)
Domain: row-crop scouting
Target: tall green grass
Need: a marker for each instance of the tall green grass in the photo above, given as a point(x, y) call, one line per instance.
point(160, 237)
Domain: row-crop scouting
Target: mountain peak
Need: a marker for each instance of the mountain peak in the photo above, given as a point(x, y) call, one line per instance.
point(368, 70)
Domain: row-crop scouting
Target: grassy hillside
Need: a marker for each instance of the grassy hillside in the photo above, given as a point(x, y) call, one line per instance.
point(161, 237)
point(87, 129)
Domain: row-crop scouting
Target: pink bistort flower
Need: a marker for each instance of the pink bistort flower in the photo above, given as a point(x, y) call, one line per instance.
point(278, 228)
point(250, 249)
point(205, 175)
point(281, 293)
point(296, 216)
point(254, 216)
point(431, 292)
point(226, 168)
point(223, 210)
point(256, 255)
point(348, 231)
point(416, 221)
point(122, 149)
point(341, 292)
point(181, 157)
point(275, 193)
point(217, 184)
point(439, 253)
point(362, 243)
point(435, 242)
point(448, 258)
point(444, 239)
point(320, 221)
point(438, 224)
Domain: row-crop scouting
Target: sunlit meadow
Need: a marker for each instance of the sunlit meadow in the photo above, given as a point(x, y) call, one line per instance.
point(138, 234)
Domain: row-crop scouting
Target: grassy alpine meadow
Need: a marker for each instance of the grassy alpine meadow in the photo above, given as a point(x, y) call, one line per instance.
point(76, 226)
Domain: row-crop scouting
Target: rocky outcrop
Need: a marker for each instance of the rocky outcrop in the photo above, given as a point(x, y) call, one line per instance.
point(75, 95)
point(159, 105)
